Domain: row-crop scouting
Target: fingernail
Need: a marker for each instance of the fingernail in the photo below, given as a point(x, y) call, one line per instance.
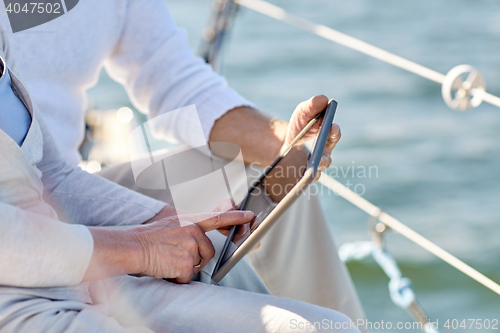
point(249, 215)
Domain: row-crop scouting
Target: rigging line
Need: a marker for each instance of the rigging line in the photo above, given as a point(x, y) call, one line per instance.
point(399, 227)
point(280, 14)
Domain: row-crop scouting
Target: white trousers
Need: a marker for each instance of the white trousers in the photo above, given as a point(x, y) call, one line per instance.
point(145, 305)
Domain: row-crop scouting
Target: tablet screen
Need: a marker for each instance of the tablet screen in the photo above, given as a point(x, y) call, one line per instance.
point(268, 192)
point(260, 200)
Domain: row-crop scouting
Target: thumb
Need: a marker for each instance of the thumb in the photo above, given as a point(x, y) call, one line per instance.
point(304, 112)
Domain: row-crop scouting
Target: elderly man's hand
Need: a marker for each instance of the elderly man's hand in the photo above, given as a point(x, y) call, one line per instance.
point(290, 169)
point(262, 138)
point(304, 112)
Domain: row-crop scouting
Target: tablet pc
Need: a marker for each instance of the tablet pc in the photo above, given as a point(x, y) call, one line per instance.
point(242, 239)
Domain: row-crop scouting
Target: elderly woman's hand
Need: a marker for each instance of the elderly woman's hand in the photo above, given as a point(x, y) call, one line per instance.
point(162, 249)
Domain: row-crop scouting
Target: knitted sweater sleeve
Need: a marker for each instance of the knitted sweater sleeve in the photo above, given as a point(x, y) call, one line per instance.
point(153, 61)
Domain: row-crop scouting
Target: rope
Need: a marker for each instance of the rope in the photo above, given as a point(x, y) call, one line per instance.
point(399, 227)
point(400, 288)
point(280, 14)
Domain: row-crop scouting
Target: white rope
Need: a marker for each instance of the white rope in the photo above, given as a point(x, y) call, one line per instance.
point(492, 99)
point(400, 288)
point(399, 227)
point(280, 14)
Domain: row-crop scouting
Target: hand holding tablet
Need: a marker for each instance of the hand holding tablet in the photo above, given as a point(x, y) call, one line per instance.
point(240, 242)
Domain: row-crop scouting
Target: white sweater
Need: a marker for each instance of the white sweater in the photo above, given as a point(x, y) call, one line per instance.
point(138, 43)
point(36, 248)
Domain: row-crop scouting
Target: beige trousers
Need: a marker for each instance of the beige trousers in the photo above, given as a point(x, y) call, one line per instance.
point(127, 304)
point(297, 259)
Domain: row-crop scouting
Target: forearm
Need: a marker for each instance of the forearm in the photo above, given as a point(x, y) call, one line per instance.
point(261, 140)
point(116, 252)
point(83, 198)
point(259, 136)
point(167, 211)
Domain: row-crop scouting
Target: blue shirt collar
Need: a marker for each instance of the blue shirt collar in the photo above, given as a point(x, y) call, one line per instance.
point(3, 69)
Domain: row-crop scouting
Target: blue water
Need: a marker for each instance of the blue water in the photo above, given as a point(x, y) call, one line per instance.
point(438, 170)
